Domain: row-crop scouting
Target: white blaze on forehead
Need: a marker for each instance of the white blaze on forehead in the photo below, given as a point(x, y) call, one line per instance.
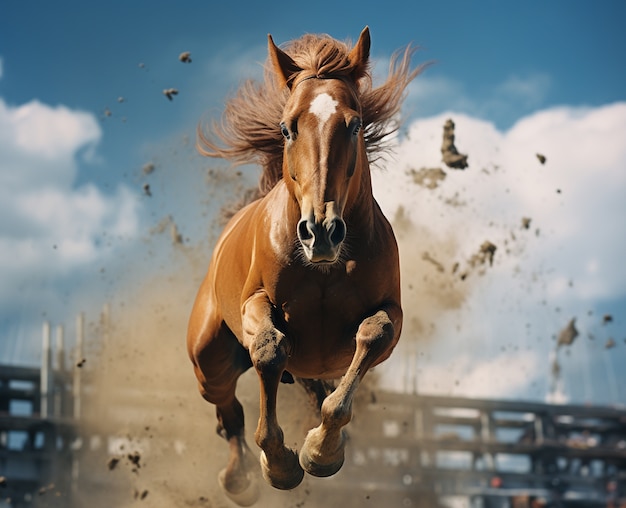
point(323, 106)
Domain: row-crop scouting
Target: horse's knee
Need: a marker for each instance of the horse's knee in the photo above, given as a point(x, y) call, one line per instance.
point(337, 410)
point(376, 333)
point(268, 352)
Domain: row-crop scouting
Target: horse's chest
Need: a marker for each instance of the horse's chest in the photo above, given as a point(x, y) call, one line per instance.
point(313, 309)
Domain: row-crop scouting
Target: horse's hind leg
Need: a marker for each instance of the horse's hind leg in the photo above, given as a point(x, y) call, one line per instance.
point(218, 362)
point(236, 478)
point(317, 390)
point(322, 453)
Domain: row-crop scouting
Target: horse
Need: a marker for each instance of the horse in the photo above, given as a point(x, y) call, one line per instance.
point(304, 281)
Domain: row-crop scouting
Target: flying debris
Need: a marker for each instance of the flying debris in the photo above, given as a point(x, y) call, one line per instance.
point(146, 189)
point(567, 334)
point(526, 222)
point(170, 92)
point(451, 156)
point(485, 253)
point(185, 57)
point(427, 257)
point(478, 260)
point(428, 177)
point(148, 168)
point(175, 235)
point(542, 158)
point(609, 344)
point(607, 318)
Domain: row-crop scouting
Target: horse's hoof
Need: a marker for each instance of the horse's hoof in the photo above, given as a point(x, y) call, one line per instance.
point(288, 477)
point(245, 497)
point(320, 470)
point(311, 462)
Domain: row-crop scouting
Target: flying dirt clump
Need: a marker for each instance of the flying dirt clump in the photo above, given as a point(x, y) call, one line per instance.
point(185, 57)
point(148, 168)
point(451, 156)
point(567, 334)
point(170, 92)
point(166, 224)
point(428, 177)
point(478, 260)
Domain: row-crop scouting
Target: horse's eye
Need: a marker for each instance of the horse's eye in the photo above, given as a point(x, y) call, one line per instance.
point(285, 131)
point(355, 126)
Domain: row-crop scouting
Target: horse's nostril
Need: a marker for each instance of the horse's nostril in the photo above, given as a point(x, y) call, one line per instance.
point(337, 232)
point(304, 230)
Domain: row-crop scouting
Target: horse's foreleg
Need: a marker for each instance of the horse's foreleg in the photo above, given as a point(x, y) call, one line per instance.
point(269, 353)
point(322, 453)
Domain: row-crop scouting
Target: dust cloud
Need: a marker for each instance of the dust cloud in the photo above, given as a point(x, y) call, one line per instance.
point(148, 437)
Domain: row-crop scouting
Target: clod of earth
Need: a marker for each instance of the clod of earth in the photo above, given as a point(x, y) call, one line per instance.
point(148, 168)
point(112, 463)
point(542, 158)
point(451, 156)
point(170, 92)
point(134, 459)
point(486, 253)
point(427, 257)
point(567, 334)
point(428, 177)
point(185, 57)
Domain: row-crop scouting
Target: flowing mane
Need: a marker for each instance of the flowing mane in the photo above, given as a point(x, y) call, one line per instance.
point(249, 128)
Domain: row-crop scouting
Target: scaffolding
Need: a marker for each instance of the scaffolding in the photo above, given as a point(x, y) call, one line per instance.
point(489, 452)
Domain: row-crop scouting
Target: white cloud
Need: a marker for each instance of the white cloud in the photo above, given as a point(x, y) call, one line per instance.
point(570, 258)
point(572, 199)
point(50, 228)
point(529, 90)
point(500, 377)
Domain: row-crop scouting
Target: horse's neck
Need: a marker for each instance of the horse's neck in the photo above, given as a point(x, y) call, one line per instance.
point(361, 210)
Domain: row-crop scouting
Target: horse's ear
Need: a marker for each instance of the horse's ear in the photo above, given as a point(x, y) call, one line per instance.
point(359, 55)
point(283, 64)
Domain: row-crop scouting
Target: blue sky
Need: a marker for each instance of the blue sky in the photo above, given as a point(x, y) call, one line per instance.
point(77, 228)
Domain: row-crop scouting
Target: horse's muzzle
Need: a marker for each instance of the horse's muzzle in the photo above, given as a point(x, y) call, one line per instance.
point(322, 241)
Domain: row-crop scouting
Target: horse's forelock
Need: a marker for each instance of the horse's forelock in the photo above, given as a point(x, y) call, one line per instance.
point(249, 132)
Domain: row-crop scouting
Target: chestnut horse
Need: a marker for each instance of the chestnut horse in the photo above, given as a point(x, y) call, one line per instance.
point(304, 281)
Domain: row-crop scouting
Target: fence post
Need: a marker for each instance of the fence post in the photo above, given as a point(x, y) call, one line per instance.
point(76, 371)
point(46, 367)
point(59, 380)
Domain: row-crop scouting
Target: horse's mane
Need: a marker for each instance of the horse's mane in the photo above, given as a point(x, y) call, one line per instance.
point(249, 129)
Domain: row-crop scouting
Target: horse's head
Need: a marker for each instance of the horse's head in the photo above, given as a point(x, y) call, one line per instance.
point(324, 152)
